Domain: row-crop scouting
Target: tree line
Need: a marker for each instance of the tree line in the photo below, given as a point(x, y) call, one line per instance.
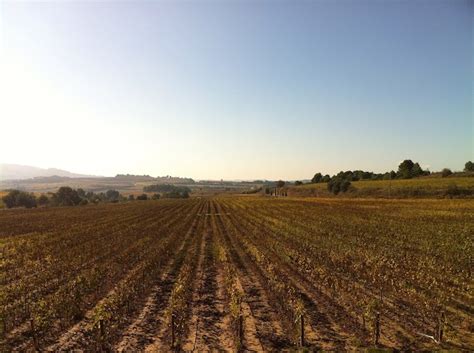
point(169, 190)
point(65, 196)
point(406, 170)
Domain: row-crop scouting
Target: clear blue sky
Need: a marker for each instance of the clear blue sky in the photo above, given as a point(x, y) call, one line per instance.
point(236, 89)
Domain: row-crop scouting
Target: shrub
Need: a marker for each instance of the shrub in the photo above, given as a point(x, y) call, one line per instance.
point(407, 170)
point(66, 196)
point(17, 198)
point(142, 197)
point(112, 195)
point(334, 186)
point(165, 188)
point(326, 179)
point(280, 184)
point(10, 199)
point(469, 167)
point(446, 172)
point(454, 190)
point(318, 177)
point(155, 197)
point(43, 200)
point(338, 184)
point(345, 185)
point(176, 195)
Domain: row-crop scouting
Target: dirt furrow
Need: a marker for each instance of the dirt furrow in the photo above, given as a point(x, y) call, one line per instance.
point(145, 327)
point(162, 341)
point(329, 315)
point(80, 335)
point(208, 330)
point(269, 329)
point(320, 330)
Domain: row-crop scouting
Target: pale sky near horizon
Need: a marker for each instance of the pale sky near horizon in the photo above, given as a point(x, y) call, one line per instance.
point(236, 89)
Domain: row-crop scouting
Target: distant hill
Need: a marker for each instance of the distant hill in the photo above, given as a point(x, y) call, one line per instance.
point(20, 172)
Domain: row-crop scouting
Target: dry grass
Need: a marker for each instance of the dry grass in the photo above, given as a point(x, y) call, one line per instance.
point(419, 187)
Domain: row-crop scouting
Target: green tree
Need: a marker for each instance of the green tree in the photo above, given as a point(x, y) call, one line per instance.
point(66, 196)
point(469, 167)
point(317, 178)
point(417, 171)
point(345, 184)
point(446, 172)
point(43, 200)
point(338, 184)
point(17, 198)
point(81, 193)
point(407, 169)
point(112, 195)
point(10, 199)
point(280, 184)
point(334, 186)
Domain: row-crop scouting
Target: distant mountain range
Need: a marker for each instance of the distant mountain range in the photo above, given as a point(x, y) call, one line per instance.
point(20, 172)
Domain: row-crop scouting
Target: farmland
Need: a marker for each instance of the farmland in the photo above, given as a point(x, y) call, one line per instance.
point(232, 272)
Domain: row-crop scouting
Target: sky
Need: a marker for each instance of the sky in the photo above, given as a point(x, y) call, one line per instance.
point(236, 89)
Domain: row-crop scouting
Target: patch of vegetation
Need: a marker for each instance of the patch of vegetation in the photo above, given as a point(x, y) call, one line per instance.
point(65, 196)
point(181, 194)
point(338, 184)
point(17, 198)
point(165, 188)
point(253, 191)
point(169, 191)
point(469, 167)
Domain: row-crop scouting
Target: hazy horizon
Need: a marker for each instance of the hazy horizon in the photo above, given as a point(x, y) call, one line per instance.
point(235, 89)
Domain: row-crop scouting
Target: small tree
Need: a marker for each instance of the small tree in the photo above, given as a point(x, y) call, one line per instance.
point(317, 178)
point(297, 183)
point(142, 197)
point(43, 200)
point(280, 184)
point(334, 186)
point(338, 184)
point(155, 197)
point(417, 171)
point(405, 169)
point(469, 167)
point(17, 198)
point(10, 199)
point(326, 179)
point(345, 185)
point(81, 193)
point(66, 196)
point(112, 195)
point(446, 172)
point(131, 197)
